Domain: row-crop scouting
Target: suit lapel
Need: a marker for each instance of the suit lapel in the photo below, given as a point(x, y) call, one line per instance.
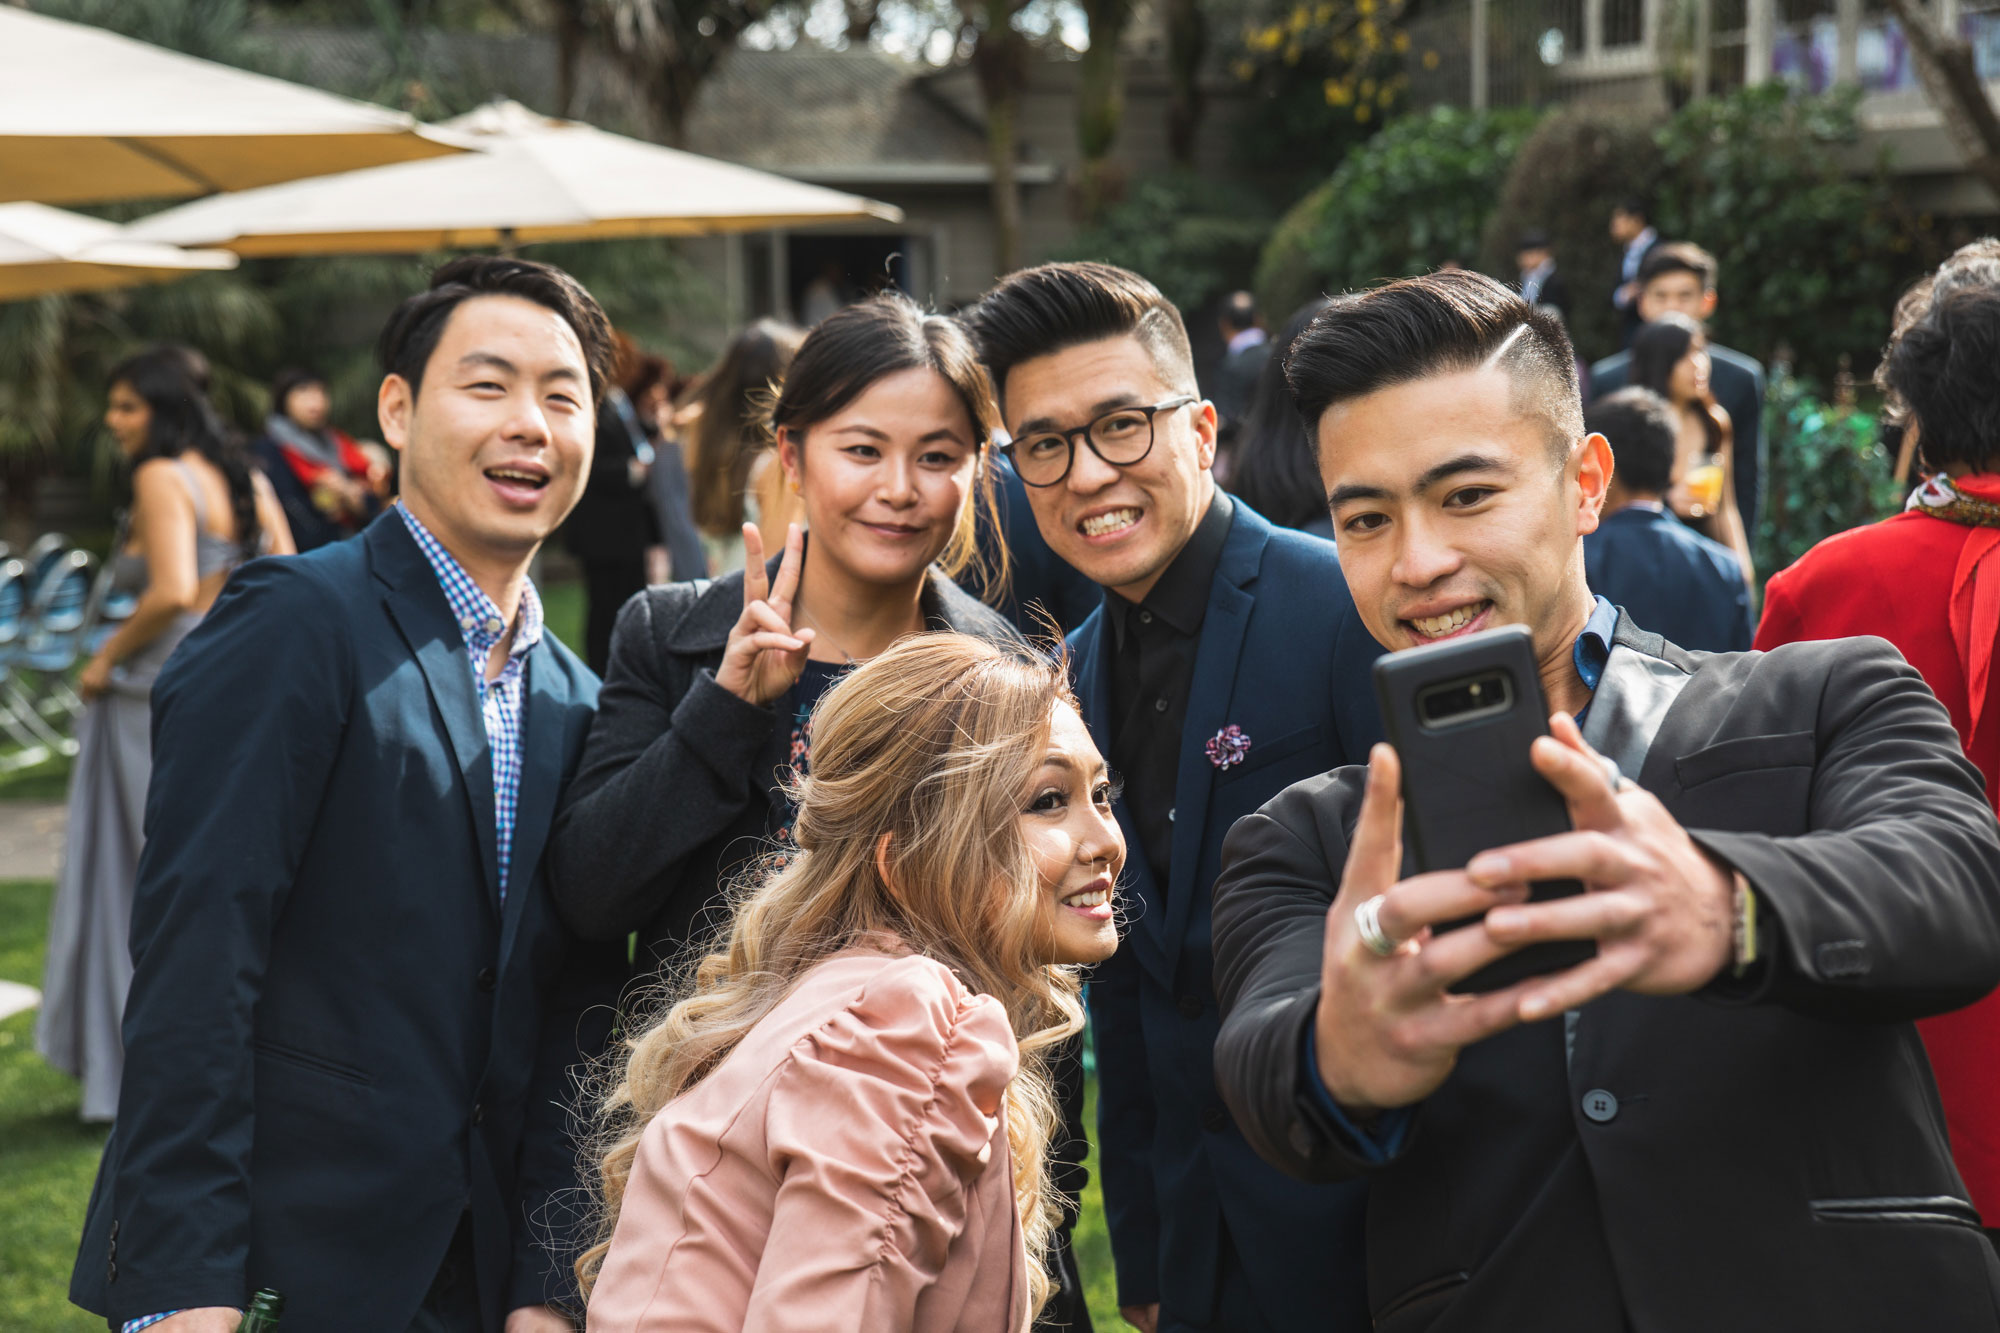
point(1147, 932)
point(1632, 699)
point(417, 604)
point(1211, 695)
point(545, 694)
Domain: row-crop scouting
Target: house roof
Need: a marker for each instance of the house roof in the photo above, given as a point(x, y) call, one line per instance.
point(837, 117)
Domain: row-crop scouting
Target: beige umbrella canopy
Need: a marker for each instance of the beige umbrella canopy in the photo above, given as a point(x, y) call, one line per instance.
point(537, 180)
point(87, 116)
point(44, 250)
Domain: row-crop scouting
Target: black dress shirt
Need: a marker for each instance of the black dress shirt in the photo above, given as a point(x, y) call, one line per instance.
point(1153, 647)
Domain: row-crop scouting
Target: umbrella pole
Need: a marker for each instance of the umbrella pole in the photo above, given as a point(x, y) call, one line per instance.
point(509, 245)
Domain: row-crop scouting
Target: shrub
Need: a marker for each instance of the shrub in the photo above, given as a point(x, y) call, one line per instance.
point(1812, 254)
point(1194, 237)
point(1415, 195)
point(1827, 472)
point(1565, 181)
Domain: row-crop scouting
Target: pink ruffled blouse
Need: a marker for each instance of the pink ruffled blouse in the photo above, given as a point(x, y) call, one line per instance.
point(845, 1167)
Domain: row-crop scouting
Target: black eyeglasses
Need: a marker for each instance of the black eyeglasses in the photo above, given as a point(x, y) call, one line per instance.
point(1121, 437)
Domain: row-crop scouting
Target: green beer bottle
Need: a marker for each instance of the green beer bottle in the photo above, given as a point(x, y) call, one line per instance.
point(262, 1316)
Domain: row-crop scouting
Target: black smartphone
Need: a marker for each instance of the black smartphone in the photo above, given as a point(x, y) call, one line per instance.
point(1462, 715)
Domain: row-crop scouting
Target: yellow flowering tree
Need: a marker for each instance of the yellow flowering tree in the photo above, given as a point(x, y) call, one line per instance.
point(1329, 73)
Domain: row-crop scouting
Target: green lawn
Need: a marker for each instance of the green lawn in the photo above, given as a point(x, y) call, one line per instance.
point(47, 1159)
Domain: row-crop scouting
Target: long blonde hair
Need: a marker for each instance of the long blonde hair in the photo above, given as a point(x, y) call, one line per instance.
point(933, 744)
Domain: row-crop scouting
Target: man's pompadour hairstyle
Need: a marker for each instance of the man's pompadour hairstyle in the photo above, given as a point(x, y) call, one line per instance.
point(1439, 324)
point(1047, 309)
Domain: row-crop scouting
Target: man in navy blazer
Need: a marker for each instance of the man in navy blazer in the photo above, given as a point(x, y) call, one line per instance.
point(1224, 663)
point(1674, 581)
point(353, 1011)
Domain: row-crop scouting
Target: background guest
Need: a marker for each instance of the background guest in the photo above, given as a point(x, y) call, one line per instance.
point(329, 487)
point(1540, 282)
point(1277, 468)
point(198, 510)
point(851, 1053)
point(725, 423)
point(1670, 358)
point(1632, 228)
point(1246, 349)
point(644, 402)
point(1927, 581)
point(1679, 278)
point(1674, 581)
point(614, 523)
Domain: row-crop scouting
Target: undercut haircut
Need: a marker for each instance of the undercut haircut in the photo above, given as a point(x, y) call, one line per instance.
point(1040, 311)
point(413, 330)
point(1678, 257)
point(1639, 424)
point(1440, 324)
point(1940, 368)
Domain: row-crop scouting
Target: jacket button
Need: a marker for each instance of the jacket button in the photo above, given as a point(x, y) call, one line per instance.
point(1214, 1119)
point(1189, 1005)
point(487, 979)
point(1600, 1106)
point(111, 1270)
point(478, 1112)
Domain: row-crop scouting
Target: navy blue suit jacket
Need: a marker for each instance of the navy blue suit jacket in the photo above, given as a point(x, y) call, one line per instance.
point(339, 1041)
point(1674, 581)
point(1284, 658)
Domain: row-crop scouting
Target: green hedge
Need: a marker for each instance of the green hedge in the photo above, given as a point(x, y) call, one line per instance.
point(1827, 472)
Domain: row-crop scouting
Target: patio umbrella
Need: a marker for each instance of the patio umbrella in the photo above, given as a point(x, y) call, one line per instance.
point(537, 180)
point(44, 250)
point(87, 116)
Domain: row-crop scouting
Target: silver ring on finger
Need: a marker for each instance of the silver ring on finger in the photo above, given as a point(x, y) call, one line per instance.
point(1368, 921)
point(1612, 775)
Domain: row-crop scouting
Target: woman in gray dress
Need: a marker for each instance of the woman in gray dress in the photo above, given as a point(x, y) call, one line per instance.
point(198, 510)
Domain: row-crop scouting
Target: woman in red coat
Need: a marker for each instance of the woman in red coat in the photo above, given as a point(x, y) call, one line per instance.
point(1928, 580)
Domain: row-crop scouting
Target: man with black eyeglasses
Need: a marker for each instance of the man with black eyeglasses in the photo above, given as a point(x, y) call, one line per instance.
point(1225, 663)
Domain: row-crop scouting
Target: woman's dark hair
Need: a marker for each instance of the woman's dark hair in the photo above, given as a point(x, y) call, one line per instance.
point(1277, 464)
point(413, 330)
point(1039, 311)
point(735, 396)
point(183, 419)
point(288, 380)
point(1657, 348)
point(1438, 324)
point(1639, 424)
point(855, 347)
point(1941, 367)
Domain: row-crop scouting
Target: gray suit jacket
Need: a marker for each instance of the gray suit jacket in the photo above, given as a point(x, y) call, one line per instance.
point(1757, 1156)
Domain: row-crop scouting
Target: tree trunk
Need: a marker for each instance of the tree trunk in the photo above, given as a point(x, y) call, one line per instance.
point(1951, 82)
point(861, 16)
point(1000, 62)
point(1187, 43)
point(570, 37)
point(1100, 106)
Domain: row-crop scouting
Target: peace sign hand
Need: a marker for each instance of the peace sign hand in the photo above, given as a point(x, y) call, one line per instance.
point(765, 654)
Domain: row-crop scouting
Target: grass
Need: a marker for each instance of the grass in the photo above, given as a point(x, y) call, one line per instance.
point(48, 1160)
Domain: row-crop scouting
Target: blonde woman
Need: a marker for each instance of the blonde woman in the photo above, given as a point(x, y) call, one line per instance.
point(844, 1124)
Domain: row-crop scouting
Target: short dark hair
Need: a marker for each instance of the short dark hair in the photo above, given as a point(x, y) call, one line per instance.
point(289, 379)
point(1636, 205)
point(413, 330)
point(1940, 367)
point(1039, 311)
point(1640, 426)
point(1678, 257)
point(1239, 310)
point(1438, 324)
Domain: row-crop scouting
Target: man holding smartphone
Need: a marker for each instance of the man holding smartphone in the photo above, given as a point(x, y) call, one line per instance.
point(1726, 1120)
point(1225, 663)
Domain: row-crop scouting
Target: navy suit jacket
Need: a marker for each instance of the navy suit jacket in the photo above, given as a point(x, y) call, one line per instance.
point(339, 1041)
point(1674, 581)
point(1284, 658)
point(1738, 382)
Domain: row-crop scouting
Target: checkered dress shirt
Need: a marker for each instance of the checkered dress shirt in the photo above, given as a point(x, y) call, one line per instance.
point(499, 703)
